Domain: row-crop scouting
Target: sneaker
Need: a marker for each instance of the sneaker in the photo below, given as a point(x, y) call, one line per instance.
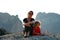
point(25, 36)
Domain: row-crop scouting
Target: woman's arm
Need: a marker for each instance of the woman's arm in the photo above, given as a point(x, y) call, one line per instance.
point(26, 24)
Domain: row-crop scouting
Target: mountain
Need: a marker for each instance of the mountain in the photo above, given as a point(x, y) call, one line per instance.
point(10, 23)
point(49, 22)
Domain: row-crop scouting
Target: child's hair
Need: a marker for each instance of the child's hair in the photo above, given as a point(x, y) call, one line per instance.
point(36, 22)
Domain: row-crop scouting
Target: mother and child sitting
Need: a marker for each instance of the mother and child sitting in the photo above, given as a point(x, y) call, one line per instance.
point(31, 27)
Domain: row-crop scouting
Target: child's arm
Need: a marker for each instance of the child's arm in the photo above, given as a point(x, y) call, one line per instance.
point(38, 33)
point(35, 32)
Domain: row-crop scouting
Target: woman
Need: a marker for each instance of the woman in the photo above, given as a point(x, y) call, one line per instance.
point(28, 24)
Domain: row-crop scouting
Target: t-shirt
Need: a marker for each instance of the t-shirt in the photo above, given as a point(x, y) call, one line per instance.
point(31, 25)
point(36, 30)
point(26, 21)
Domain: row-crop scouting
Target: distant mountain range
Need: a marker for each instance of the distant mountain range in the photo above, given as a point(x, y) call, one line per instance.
point(10, 23)
point(49, 22)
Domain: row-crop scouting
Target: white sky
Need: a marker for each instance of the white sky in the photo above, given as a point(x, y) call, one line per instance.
point(21, 7)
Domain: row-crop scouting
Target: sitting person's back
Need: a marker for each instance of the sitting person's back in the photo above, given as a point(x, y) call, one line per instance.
point(36, 29)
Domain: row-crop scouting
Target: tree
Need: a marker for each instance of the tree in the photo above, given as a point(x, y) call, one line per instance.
point(2, 31)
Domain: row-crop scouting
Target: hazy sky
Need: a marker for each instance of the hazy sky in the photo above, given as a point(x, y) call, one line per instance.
point(21, 7)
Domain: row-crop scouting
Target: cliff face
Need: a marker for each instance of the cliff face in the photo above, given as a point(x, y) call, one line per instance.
point(49, 22)
point(10, 23)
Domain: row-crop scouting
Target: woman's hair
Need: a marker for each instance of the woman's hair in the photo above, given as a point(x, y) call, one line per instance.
point(36, 22)
point(31, 12)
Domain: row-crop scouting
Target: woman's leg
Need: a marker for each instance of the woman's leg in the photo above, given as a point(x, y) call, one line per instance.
point(28, 33)
point(25, 34)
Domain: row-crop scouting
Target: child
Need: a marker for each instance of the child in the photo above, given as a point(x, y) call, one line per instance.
point(36, 29)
